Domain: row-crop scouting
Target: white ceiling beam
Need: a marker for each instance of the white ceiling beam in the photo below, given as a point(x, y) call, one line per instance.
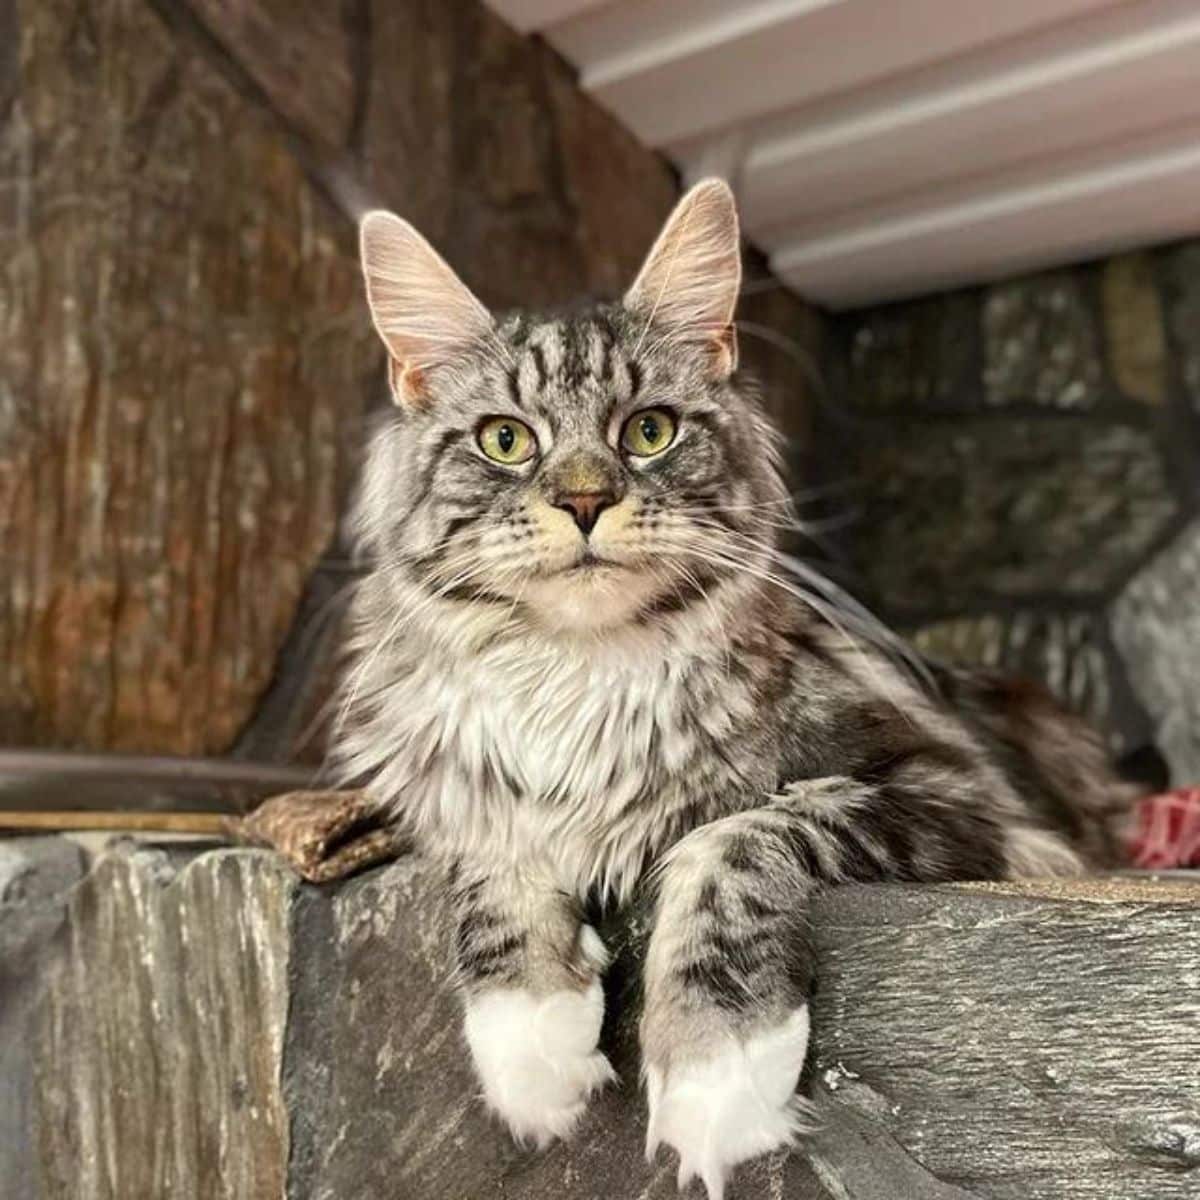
point(1096, 80)
point(744, 61)
point(1127, 196)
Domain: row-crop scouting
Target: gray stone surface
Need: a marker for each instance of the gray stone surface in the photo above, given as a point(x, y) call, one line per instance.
point(35, 876)
point(1182, 269)
point(1019, 1046)
point(161, 1035)
point(1007, 507)
point(924, 354)
point(233, 1034)
point(1156, 626)
point(1041, 343)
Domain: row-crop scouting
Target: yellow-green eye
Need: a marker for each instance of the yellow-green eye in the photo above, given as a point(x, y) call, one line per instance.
point(506, 440)
point(648, 432)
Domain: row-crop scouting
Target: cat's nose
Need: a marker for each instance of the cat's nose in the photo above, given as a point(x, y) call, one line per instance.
point(586, 507)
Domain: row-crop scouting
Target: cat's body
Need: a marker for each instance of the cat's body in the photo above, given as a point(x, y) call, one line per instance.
point(583, 668)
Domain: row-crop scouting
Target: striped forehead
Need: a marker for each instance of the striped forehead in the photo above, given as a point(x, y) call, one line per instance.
point(564, 359)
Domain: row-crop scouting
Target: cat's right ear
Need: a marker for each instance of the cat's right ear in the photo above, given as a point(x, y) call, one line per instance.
point(425, 314)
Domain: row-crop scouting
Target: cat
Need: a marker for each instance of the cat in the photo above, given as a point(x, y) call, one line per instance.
point(581, 673)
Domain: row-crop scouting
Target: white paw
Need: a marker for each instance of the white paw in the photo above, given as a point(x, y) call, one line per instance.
point(537, 1057)
point(734, 1106)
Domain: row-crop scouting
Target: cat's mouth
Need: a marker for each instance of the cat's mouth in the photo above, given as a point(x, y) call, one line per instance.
point(590, 562)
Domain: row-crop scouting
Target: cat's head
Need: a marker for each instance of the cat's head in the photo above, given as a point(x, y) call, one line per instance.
point(587, 470)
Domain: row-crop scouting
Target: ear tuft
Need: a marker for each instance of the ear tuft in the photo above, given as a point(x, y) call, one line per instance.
point(424, 313)
point(691, 277)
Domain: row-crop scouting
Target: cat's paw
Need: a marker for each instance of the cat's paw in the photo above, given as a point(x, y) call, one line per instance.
point(740, 1102)
point(536, 1057)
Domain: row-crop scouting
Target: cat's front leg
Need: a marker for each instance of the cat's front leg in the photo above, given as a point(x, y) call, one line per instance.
point(725, 1025)
point(530, 972)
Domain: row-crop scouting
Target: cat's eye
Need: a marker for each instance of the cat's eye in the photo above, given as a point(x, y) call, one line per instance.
point(506, 440)
point(648, 432)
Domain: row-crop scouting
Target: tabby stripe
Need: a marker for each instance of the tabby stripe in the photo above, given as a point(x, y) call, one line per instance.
point(539, 365)
point(635, 378)
point(682, 596)
point(449, 438)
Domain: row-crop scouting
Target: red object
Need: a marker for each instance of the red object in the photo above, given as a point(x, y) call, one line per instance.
point(1168, 830)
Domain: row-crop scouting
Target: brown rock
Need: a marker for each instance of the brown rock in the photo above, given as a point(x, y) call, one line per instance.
point(301, 54)
point(1133, 319)
point(185, 359)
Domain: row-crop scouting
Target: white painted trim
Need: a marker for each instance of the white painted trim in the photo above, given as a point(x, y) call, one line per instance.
point(738, 20)
point(925, 139)
point(690, 86)
point(1123, 202)
point(923, 106)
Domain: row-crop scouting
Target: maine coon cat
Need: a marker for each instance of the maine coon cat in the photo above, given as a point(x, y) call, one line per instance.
point(581, 675)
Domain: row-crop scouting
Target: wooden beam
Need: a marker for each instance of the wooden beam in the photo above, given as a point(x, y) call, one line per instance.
point(209, 824)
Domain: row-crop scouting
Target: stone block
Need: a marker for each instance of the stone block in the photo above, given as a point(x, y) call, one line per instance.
point(1041, 343)
point(1181, 267)
point(923, 355)
point(1156, 626)
point(233, 1034)
point(304, 56)
point(1133, 321)
point(36, 875)
point(996, 506)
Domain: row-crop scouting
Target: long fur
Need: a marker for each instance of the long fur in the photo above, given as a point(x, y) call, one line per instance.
point(662, 703)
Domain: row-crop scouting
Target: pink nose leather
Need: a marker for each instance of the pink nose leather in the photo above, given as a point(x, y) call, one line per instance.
point(586, 508)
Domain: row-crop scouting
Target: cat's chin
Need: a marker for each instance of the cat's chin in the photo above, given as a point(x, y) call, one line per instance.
point(591, 595)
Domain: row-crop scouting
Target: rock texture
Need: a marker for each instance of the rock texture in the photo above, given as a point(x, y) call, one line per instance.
point(1137, 347)
point(1156, 623)
point(960, 508)
point(1041, 344)
point(1019, 1045)
point(161, 1037)
point(235, 1034)
point(185, 360)
point(1011, 456)
point(35, 877)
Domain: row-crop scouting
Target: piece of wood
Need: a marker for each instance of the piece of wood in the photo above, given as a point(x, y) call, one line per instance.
point(210, 824)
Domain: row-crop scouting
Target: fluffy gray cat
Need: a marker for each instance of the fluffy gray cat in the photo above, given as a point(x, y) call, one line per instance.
point(581, 675)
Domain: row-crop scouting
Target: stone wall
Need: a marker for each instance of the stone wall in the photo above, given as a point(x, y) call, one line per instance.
point(185, 359)
point(1016, 455)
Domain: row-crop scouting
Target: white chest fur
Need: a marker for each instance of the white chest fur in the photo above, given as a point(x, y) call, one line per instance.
point(536, 747)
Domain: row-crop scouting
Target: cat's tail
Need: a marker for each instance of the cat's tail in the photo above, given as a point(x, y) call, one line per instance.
point(1054, 758)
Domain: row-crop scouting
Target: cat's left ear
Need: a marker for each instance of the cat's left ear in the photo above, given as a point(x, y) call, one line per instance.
point(425, 314)
point(689, 282)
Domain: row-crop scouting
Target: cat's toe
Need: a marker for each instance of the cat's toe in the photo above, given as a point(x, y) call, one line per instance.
point(537, 1057)
point(740, 1102)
